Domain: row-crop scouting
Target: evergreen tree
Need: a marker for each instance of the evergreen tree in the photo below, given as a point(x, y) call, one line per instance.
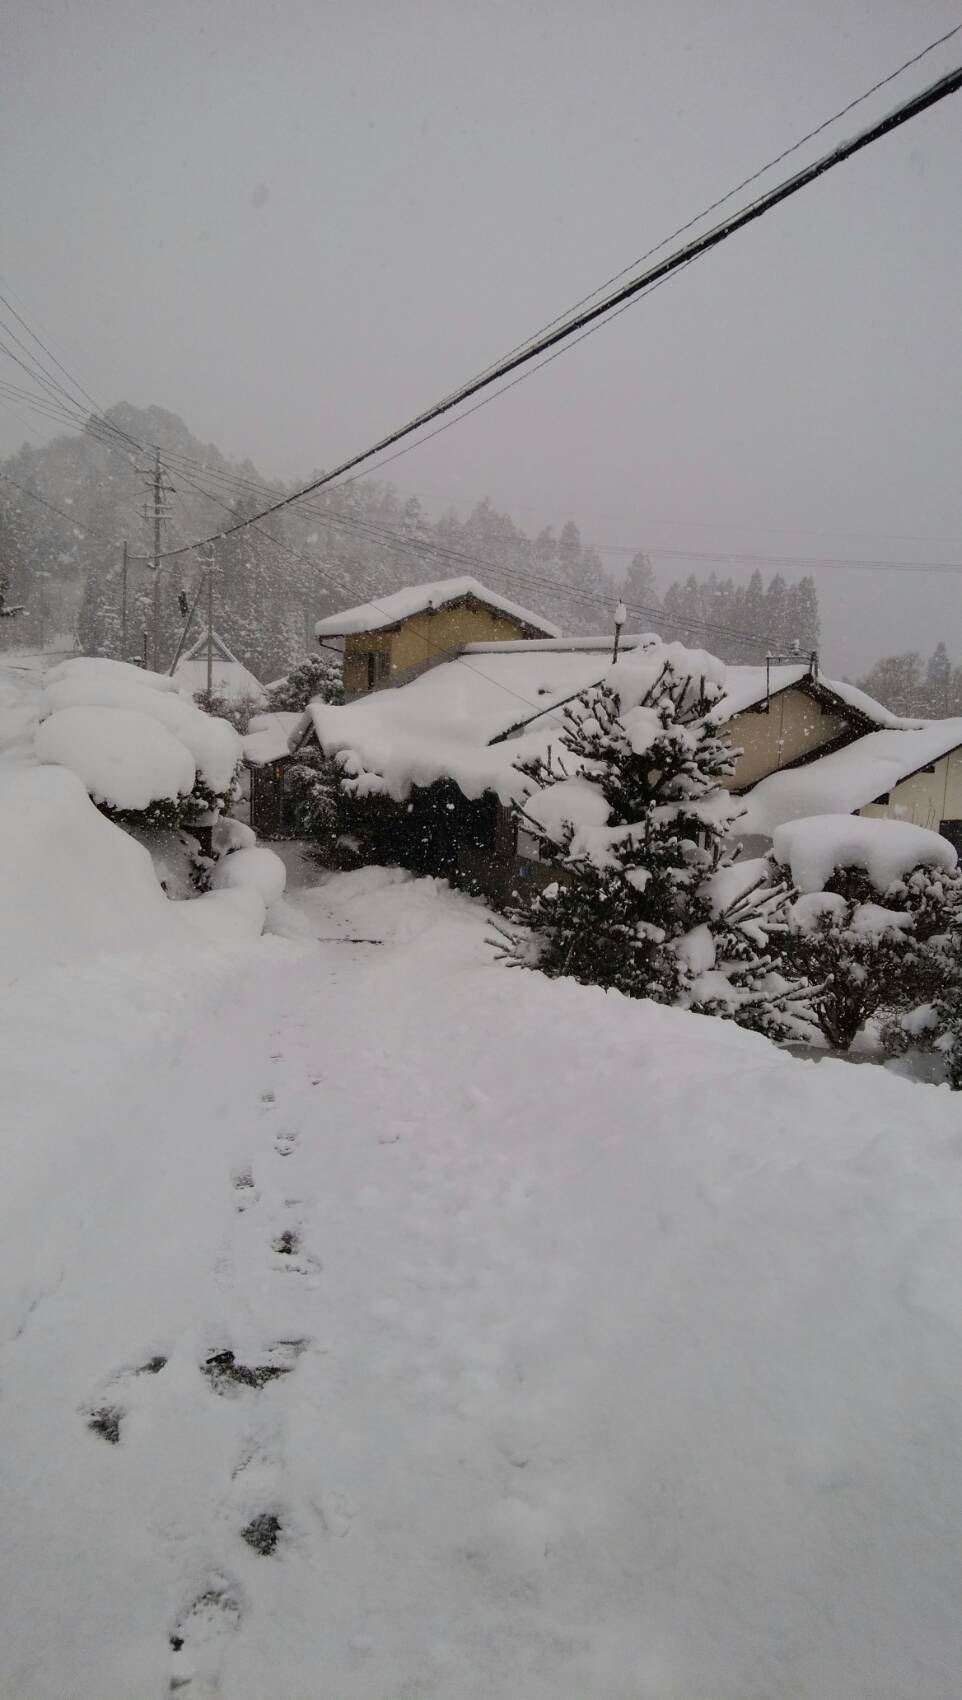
point(896, 681)
point(316, 678)
point(639, 586)
point(634, 818)
point(937, 686)
point(776, 615)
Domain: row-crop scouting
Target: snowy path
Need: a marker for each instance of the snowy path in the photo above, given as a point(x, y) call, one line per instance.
point(553, 1346)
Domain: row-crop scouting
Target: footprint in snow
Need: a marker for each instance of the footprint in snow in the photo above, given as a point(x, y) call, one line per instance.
point(197, 1642)
point(262, 1532)
point(289, 1256)
point(268, 1098)
point(107, 1419)
point(242, 1181)
point(286, 1142)
point(226, 1374)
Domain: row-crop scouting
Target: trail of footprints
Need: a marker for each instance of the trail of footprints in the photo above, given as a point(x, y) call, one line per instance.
point(196, 1641)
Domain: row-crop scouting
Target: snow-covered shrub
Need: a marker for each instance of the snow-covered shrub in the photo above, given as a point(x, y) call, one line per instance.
point(316, 678)
point(633, 817)
point(237, 711)
point(149, 757)
point(930, 1016)
point(312, 790)
point(873, 893)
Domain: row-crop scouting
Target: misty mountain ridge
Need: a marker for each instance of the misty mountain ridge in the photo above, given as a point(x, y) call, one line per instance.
point(342, 545)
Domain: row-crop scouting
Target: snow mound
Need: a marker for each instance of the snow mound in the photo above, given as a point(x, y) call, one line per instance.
point(212, 742)
point(225, 914)
point(80, 666)
point(72, 883)
point(125, 758)
point(887, 850)
point(257, 869)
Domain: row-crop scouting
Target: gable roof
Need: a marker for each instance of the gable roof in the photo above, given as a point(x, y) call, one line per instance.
point(231, 678)
point(418, 599)
point(850, 778)
point(748, 687)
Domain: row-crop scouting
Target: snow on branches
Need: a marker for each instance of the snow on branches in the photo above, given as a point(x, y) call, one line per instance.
point(632, 817)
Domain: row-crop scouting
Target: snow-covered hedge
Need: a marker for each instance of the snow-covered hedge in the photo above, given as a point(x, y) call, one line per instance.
point(147, 755)
point(875, 894)
point(885, 850)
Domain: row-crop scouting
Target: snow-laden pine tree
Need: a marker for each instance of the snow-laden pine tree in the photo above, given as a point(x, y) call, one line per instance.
point(631, 812)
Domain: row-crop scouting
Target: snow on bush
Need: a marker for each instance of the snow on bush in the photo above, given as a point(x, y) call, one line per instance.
point(863, 942)
point(255, 868)
point(213, 743)
point(886, 850)
point(228, 835)
point(127, 761)
point(632, 815)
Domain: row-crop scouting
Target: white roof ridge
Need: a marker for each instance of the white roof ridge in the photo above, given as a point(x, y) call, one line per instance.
point(218, 643)
point(398, 605)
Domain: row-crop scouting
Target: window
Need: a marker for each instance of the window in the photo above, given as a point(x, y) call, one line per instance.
point(528, 845)
point(378, 667)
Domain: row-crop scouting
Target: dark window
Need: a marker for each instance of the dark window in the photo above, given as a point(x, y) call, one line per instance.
point(371, 669)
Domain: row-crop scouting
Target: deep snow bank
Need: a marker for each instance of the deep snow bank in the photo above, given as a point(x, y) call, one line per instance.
point(72, 883)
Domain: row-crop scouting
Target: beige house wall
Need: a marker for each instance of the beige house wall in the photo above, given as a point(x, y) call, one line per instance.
point(422, 640)
point(925, 799)
point(793, 725)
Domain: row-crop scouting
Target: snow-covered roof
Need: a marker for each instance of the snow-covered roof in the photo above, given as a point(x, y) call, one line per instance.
point(231, 679)
point(564, 645)
point(472, 718)
point(850, 778)
point(747, 687)
point(416, 599)
point(268, 736)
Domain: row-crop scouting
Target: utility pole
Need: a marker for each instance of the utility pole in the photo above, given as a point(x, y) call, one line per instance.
point(158, 487)
point(123, 607)
point(157, 493)
point(210, 625)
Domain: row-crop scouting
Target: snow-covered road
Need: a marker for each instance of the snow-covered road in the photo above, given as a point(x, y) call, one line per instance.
point(377, 1322)
point(602, 1351)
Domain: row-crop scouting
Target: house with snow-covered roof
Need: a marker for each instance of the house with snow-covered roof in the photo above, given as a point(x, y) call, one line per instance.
point(388, 642)
point(433, 762)
point(910, 771)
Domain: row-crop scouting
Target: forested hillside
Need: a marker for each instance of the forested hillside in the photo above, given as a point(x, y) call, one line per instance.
point(905, 683)
point(352, 543)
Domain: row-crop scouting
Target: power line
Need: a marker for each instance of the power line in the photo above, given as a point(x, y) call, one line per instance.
point(104, 431)
point(807, 563)
point(744, 184)
point(912, 108)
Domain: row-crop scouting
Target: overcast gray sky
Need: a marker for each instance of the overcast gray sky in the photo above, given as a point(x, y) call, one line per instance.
point(295, 223)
